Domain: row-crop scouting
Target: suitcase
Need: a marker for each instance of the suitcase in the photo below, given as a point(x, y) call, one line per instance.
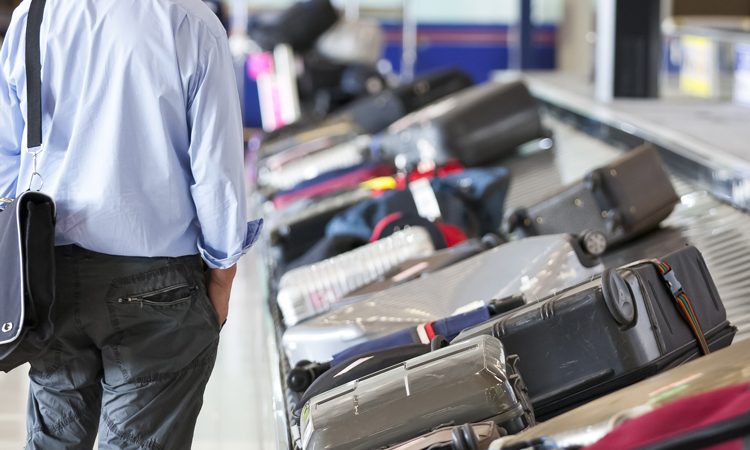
point(286, 176)
point(612, 204)
point(331, 183)
point(469, 382)
point(448, 327)
point(535, 267)
point(278, 148)
point(367, 115)
point(299, 26)
point(613, 331)
point(477, 126)
point(311, 290)
point(312, 379)
point(370, 356)
point(472, 200)
point(298, 227)
point(716, 419)
point(326, 86)
point(375, 113)
point(353, 42)
point(590, 422)
point(476, 436)
point(416, 267)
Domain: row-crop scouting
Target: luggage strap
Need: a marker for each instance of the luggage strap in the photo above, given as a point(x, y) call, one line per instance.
point(684, 305)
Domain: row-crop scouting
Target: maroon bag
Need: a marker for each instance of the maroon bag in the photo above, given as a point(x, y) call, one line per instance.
point(717, 420)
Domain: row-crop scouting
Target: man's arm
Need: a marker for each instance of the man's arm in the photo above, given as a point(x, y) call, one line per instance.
point(11, 120)
point(217, 163)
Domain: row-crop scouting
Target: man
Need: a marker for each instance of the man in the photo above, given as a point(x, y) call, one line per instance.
point(143, 155)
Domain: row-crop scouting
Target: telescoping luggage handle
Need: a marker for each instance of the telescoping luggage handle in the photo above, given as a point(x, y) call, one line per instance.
point(682, 301)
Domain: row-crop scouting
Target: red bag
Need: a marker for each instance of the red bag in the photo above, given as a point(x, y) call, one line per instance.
point(718, 420)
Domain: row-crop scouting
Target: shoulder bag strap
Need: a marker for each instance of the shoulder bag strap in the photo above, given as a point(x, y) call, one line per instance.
point(34, 74)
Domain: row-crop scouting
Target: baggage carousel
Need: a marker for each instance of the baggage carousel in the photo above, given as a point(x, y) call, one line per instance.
point(706, 217)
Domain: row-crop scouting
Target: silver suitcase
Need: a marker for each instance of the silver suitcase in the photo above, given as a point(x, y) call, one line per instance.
point(467, 382)
point(482, 434)
point(287, 174)
point(312, 290)
point(535, 267)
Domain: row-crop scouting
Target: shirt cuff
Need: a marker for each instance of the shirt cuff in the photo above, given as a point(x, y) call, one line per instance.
point(252, 234)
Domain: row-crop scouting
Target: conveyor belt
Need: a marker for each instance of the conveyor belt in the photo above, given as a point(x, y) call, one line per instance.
point(721, 232)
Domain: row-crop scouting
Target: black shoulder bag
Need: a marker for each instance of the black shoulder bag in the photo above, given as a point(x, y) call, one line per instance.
point(27, 236)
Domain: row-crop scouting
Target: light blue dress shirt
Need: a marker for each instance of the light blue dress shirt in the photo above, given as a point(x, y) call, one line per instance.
point(142, 130)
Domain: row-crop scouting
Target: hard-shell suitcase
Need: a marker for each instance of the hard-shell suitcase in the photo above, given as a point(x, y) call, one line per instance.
point(475, 436)
point(369, 356)
point(610, 205)
point(614, 330)
point(275, 153)
point(424, 333)
point(477, 126)
point(291, 172)
point(590, 422)
point(308, 291)
point(311, 378)
point(416, 267)
point(468, 382)
point(535, 267)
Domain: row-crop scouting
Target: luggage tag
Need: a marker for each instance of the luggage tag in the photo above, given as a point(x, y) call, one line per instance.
point(425, 199)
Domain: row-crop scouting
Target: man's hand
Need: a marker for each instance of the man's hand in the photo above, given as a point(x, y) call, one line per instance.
point(219, 288)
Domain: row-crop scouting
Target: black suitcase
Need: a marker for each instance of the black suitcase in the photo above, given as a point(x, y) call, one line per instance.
point(369, 115)
point(479, 125)
point(299, 26)
point(612, 204)
point(374, 113)
point(613, 331)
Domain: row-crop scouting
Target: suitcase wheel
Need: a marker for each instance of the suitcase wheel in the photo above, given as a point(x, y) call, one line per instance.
point(299, 380)
point(594, 242)
point(463, 438)
point(517, 218)
point(618, 297)
point(438, 342)
point(491, 240)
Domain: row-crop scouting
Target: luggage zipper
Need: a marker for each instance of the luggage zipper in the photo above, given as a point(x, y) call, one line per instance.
point(141, 299)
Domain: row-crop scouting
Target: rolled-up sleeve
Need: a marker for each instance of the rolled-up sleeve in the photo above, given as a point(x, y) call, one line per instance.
point(216, 158)
point(11, 123)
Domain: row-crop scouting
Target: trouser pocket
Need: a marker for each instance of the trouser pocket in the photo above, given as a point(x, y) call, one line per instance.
point(161, 321)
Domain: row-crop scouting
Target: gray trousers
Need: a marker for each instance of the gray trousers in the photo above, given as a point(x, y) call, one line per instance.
point(135, 343)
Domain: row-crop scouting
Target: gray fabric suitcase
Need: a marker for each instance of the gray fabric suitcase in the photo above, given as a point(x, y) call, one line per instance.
point(467, 382)
point(612, 204)
point(535, 267)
